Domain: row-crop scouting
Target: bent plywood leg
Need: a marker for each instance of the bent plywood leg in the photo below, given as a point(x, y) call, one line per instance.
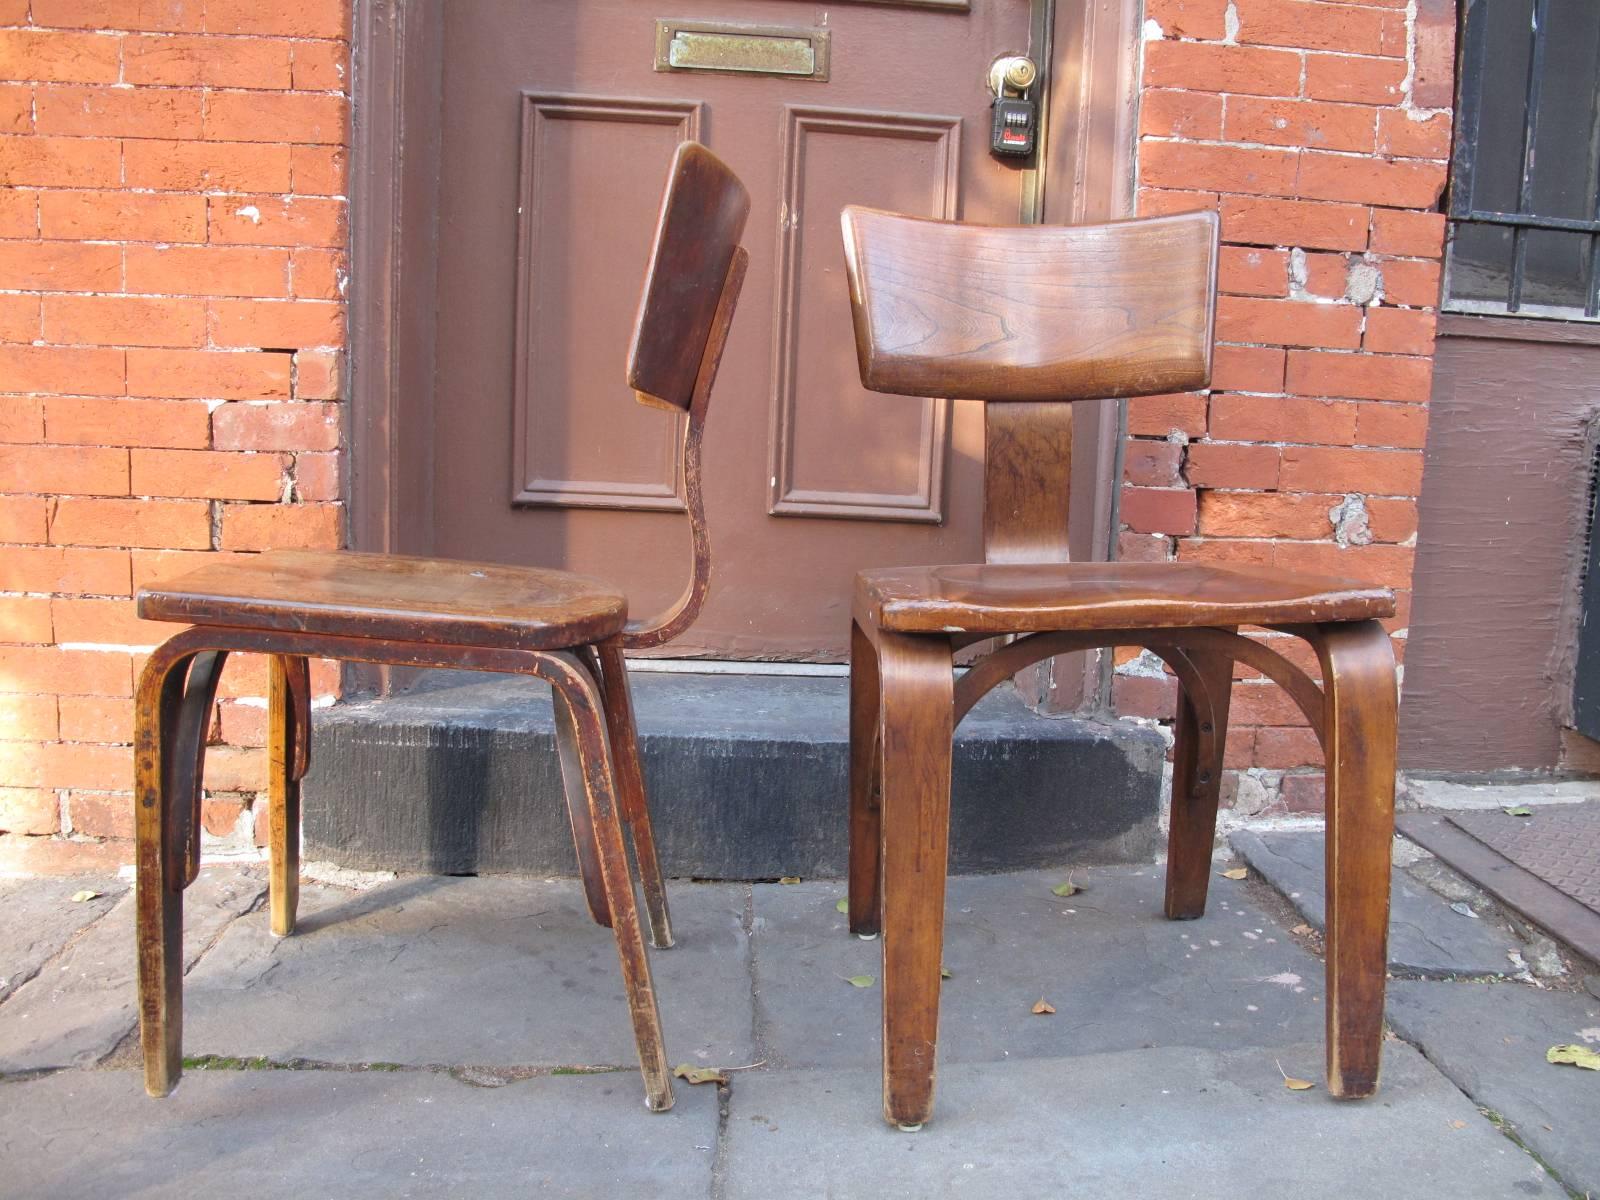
point(1359, 680)
point(160, 859)
point(915, 730)
point(1200, 732)
point(289, 729)
point(594, 759)
point(865, 809)
point(624, 732)
point(572, 783)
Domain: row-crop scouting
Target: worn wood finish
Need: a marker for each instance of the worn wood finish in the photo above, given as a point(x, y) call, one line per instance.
point(1032, 316)
point(415, 612)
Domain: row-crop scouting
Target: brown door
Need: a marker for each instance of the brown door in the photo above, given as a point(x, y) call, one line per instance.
point(557, 131)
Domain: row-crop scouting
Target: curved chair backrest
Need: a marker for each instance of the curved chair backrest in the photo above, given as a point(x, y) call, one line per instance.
point(1032, 312)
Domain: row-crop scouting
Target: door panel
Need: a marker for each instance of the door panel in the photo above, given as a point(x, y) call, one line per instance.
point(556, 135)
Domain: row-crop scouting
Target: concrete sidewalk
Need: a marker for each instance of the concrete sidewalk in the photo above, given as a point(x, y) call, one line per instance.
point(437, 1036)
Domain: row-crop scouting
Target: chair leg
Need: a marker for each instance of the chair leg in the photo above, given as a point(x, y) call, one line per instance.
point(1359, 684)
point(160, 858)
point(578, 815)
point(599, 782)
point(289, 729)
point(1196, 785)
point(916, 677)
point(865, 802)
point(624, 731)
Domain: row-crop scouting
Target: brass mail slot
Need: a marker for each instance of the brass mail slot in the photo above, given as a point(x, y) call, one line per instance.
point(743, 49)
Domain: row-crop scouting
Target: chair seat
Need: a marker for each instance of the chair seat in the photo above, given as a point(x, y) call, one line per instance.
point(393, 597)
point(1028, 598)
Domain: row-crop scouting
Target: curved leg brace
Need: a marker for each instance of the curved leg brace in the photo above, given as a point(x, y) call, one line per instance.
point(288, 756)
point(1200, 732)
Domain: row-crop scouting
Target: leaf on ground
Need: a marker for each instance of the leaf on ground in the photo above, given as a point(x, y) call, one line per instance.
point(1290, 1082)
point(699, 1074)
point(1043, 1009)
point(1302, 930)
point(1577, 1056)
point(86, 894)
point(944, 972)
point(1458, 1124)
point(1519, 810)
point(1235, 873)
point(843, 906)
point(862, 980)
point(1066, 889)
point(790, 879)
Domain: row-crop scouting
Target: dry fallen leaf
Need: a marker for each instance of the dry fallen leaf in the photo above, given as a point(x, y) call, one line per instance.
point(699, 1074)
point(790, 879)
point(1458, 1124)
point(1044, 1008)
point(86, 894)
point(1066, 889)
point(1577, 1056)
point(1302, 930)
point(1235, 873)
point(1520, 810)
point(862, 980)
point(843, 906)
point(1290, 1082)
point(944, 973)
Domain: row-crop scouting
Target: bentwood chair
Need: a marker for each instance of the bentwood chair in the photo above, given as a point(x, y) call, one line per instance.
point(1030, 319)
point(417, 612)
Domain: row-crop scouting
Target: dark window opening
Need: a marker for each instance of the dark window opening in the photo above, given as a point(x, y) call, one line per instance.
point(1525, 175)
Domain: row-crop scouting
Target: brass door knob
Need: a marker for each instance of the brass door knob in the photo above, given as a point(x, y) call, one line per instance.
point(1012, 74)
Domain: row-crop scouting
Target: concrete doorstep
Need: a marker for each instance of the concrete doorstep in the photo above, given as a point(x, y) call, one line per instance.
point(435, 1036)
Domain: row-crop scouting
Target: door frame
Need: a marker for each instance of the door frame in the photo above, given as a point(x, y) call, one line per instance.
point(397, 75)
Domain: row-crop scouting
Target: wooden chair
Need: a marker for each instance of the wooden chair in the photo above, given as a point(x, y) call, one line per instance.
point(1026, 319)
point(416, 612)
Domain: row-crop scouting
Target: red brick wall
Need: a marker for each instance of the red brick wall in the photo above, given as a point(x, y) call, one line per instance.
point(1320, 130)
point(172, 267)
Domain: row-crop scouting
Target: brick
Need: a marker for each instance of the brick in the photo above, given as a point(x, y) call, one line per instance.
point(1414, 234)
point(208, 270)
point(207, 61)
point(22, 519)
point(208, 374)
point(24, 619)
point(1144, 696)
point(208, 474)
point(61, 856)
point(20, 319)
point(243, 724)
point(317, 477)
point(16, 108)
point(109, 421)
point(1288, 323)
point(220, 816)
point(1303, 793)
point(1300, 123)
point(1158, 510)
point(1354, 80)
point(182, 524)
point(62, 369)
point(1239, 747)
point(318, 274)
point(1402, 136)
point(32, 160)
point(1222, 465)
point(66, 765)
point(277, 221)
point(292, 18)
point(1157, 202)
point(152, 567)
point(318, 375)
point(1272, 222)
point(61, 569)
point(154, 16)
point(321, 66)
point(108, 622)
point(122, 216)
point(277, 117)
point(1282, 419)
point(1225, 168)
point(1381, 565)
point(21, 419)
point(1149, 463)
point(1398, 183)
point(1402, 426)
point(1143, 547)
point(1263, 703)
point(1302, 24)
point(19, 213)
point(1171, 113)
point(65, 470)
point(276, 324)
point(1399, 331)
point(1433, 80)
point(1392, 520)
point(1159, 416)
point(1369, 472)
point(59, 57)
point(60, 267)
point(118, 112)
point(236, 769)
point(319, 170)
point(1204, 19)
point(206, 166)
point(101, 814)
point(68, 672)
point(1360, 376)
point(124, 321)
point(1223, 552)
point(281, 526)
point(1253, 271)
point(28, 718)
point(30, 811)
point(1243, 70)
point(1408, 281)
point(95, 719)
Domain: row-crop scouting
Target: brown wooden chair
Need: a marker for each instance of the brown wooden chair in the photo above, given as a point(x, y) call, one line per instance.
point(1026, 318)
point(417, 612)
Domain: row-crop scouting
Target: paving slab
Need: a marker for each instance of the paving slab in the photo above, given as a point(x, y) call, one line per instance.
point(1491, 1038)
point(96, 1136)
point(83, 1002)
point(1159, 1124)
point(492, 971)
point(39, 916)
point(1426, 935)
point(1119, 974)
